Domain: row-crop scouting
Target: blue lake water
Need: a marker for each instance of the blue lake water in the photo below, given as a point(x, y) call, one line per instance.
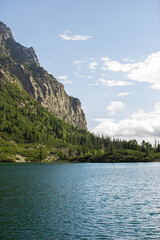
point(80, 201)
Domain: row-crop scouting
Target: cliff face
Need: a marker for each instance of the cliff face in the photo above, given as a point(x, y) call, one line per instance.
point(20, 65)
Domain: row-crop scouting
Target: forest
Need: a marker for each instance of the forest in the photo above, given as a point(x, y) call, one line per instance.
point(30, 131)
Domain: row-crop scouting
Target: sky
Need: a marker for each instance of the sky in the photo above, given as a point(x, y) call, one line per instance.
point(104, 52)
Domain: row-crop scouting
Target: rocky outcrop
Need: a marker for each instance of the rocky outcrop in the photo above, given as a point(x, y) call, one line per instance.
point(20, 65)
point(5, 33)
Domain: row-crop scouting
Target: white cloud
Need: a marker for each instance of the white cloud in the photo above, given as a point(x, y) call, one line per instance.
point(79, 75)
point(147, 70)
point(115, 106)
point(63, 77)
point(89, 77)
point(93, 65)
point(93, 84)
point(68, 82)
point(121, 94)
point(93, 59)
point(115, 83)
point(78, 62)
point(116, 66)
point(79, 67)
point(67, 36)
point(140, 125)
point(157, 108)
point(82, 76)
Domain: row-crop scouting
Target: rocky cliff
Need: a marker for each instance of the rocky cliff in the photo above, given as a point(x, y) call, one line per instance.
point(20, 65)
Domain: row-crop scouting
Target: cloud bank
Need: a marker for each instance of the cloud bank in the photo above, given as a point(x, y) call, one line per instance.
point(130, 73)
point(147, 70)
point(140, 125)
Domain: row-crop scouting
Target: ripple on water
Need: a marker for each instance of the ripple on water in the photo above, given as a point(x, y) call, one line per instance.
point(80, 201)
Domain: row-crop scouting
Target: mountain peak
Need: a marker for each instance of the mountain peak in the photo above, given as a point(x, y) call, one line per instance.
point(5, 33)
point(20, 64)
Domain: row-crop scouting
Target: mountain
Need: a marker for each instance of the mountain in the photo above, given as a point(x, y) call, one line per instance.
point(20, 65)
point(40, 122)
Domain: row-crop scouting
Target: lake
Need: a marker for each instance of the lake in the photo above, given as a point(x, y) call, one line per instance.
point(79, 201)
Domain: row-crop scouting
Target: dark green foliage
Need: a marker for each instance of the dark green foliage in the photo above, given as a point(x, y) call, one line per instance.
point(28, 129)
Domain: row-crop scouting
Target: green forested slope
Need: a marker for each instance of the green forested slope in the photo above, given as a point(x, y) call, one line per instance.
point(28, 129)
point(30, 132)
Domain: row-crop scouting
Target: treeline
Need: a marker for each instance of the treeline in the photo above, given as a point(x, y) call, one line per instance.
point(24, 121)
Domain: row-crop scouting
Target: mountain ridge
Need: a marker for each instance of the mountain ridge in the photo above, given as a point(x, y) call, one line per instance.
point(20, 65)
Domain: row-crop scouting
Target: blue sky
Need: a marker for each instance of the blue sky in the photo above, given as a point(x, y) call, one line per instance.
point(105, 52)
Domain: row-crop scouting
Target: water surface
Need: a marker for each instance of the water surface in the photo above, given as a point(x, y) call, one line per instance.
point(80, 201)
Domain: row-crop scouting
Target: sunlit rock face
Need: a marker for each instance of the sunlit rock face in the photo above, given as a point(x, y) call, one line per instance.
point(20, 65)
